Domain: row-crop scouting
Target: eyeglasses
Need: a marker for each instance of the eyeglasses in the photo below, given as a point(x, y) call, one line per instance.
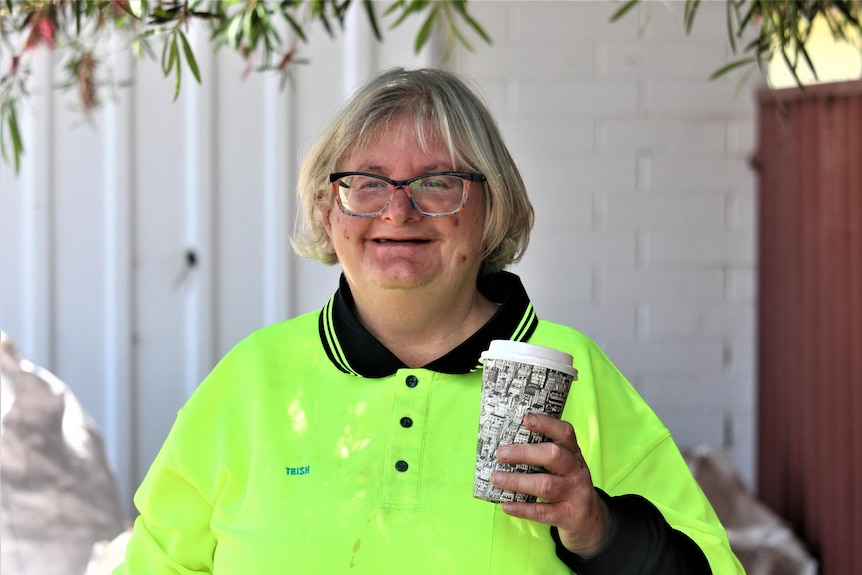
point(433, 195)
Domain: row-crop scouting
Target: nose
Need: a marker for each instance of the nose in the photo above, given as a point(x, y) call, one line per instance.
point(401, 207)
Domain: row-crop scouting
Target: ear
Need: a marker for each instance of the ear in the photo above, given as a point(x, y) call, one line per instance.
point(325, 218)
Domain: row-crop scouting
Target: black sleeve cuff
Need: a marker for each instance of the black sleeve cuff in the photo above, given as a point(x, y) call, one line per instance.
point(641, 543)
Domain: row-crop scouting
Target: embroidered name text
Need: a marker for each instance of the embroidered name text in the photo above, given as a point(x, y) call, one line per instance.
point(298, 470)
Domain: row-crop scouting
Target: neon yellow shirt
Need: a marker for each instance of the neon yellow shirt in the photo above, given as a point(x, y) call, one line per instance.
point(286, 461)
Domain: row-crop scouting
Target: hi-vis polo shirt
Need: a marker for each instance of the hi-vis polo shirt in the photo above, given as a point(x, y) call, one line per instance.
point(310, 449)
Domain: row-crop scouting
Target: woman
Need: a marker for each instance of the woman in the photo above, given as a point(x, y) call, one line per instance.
point(344, 440)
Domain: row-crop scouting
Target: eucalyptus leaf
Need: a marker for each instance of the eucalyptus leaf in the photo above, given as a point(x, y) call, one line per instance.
point(783, 25)
point(175, 60)
point(15, 136)
point(248, 27)
point(166, 69)
point(623, 10)
point(461, 7)
point(425, 31)
point(732, 66)
point(690, 12)
point(372, 18)
point(190, 57)
point(297, 29)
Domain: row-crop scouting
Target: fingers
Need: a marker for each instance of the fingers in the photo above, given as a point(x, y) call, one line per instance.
point(556, 430)
point(545, 486)
point(567, 497)
point(553, 457)
point(560, 456)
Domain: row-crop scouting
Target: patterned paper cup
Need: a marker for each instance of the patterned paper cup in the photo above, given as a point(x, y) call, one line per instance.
point(517, 379)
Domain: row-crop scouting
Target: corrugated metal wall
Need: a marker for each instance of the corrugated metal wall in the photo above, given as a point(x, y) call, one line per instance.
point(810, 316)
point(636, 163)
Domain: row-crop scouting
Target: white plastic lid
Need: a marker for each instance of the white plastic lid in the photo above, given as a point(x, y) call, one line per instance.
point(529, 353)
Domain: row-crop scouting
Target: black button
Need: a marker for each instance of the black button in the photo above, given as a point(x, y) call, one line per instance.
point(406, 422)
point(401, 465)
point(412, 381)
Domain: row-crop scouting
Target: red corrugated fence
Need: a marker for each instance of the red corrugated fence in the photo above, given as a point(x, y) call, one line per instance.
point(809, 160)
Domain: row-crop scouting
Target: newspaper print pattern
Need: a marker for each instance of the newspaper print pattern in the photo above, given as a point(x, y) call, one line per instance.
point(511, 390)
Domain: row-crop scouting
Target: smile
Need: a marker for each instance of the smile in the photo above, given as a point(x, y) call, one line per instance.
point(388, 241)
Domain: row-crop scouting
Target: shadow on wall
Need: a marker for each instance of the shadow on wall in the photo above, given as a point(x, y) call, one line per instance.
point(59, 494)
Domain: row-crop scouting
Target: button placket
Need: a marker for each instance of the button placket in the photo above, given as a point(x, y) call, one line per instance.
point(403, 467)
point(410, 381)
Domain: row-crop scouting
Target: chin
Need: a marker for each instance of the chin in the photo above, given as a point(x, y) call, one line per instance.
point(402, 282)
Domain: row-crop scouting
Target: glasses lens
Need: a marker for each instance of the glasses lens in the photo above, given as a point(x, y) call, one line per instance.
point(363, 195)
point(434, 195)
point(438, 195)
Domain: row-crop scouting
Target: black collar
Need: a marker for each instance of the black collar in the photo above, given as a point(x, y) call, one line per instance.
point(354, 350)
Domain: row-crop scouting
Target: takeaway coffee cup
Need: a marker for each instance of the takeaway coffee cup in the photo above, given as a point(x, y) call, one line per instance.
point(517, 379)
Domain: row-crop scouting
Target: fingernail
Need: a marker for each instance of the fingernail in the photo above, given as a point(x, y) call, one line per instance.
point(532, 419)
point(503, 452)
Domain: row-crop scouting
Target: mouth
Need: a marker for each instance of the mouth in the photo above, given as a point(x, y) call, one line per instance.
point(406, 241)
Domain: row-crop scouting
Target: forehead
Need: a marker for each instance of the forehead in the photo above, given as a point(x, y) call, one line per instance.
point(401, 134)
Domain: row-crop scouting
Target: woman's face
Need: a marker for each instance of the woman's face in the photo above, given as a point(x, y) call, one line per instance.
point(401, 249)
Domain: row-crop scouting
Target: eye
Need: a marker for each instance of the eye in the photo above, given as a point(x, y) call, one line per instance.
point(434, 184)
point(368, 185)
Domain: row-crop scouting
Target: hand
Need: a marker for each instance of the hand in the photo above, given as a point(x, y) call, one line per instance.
point(566, 495)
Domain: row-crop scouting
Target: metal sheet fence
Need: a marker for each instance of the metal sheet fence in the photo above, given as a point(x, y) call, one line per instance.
point(809, 160)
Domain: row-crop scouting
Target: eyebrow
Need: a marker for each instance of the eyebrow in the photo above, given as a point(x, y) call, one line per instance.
point(377, 169)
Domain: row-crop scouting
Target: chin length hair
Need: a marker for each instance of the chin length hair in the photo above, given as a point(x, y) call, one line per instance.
point(442, 109)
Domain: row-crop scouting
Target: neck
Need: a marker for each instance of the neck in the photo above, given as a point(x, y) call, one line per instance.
point(418, 325)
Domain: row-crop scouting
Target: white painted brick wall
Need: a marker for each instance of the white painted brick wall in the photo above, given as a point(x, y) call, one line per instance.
point(636, 162)
point(638, 168)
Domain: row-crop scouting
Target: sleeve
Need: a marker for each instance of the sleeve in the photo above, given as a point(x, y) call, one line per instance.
point(641, 543)
point(630, 452)
point(201, 460)
point(172, 533)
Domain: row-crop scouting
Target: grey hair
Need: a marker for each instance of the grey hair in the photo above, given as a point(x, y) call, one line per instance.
point(442, 108)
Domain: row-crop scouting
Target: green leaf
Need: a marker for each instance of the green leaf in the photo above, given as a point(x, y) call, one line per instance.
point(318, 9)
point(730, 35)
point(372, 18)
point(455, 31)
point(248, 30)
point(164, 61)
point(732, 66)
point(461, 7)
point(234, 31)
point(624, 9)
point(425, 31)
point(190, 57)
point(746, 20)
point(690, 11)
point(410, 8)
point(801, 48)
point(297, 29)
point(15, 135)
point(175, 59)
point(791, 66)
point(398, 5)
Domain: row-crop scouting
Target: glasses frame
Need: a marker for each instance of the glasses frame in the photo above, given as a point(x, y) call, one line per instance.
point(468, 177)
